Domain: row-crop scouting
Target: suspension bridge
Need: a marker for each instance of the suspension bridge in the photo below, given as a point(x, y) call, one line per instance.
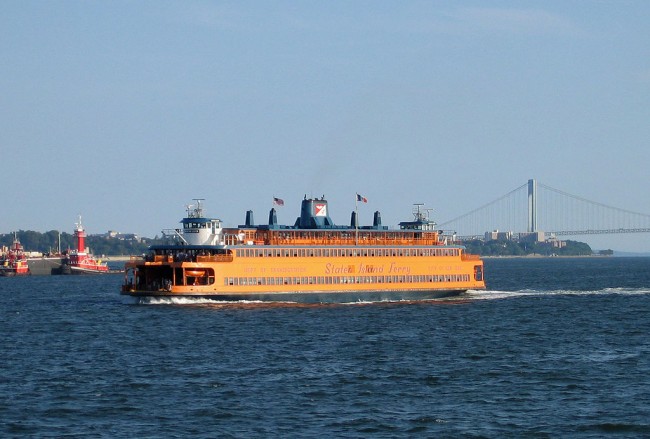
point(535, 207)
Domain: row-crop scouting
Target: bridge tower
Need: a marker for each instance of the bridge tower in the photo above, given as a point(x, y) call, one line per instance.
point(532, 205)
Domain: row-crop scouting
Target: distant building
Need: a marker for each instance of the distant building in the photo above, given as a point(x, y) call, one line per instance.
point(556, 243)
point(495, 235)
point(112, 234)
point(532, 237)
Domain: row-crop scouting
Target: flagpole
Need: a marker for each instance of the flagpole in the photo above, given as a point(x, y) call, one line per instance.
point(356, 220)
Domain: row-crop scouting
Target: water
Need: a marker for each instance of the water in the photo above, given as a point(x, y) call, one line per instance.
point(555, 348)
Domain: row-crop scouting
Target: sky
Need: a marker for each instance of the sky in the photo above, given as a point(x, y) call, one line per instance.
point(124, 111)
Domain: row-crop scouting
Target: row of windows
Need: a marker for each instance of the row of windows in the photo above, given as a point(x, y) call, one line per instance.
point(196, 225)
point(339, 252)
point(334, 280)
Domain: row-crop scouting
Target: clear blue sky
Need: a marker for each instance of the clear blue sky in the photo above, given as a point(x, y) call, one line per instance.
point(123, 111)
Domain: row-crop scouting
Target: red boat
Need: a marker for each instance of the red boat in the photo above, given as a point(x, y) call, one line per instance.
point(13, 261)
point(79, 261)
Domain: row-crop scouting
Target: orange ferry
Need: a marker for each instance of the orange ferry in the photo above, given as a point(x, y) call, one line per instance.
point(312, 261)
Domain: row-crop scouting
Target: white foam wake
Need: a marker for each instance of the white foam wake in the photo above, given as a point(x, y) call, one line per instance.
point(496, 294)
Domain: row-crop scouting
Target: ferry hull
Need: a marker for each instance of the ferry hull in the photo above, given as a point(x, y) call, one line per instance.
point(12, 273)
point(321, 279)
point(66, 269)
point(311, 296)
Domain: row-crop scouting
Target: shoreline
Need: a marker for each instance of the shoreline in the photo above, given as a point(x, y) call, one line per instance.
point(536, 256)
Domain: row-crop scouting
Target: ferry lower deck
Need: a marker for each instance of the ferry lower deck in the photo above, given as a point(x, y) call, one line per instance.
point(284, 273)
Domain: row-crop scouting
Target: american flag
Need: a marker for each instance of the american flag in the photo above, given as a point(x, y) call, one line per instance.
point(278, 201)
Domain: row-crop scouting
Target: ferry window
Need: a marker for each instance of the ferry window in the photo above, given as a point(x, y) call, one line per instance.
point(321, 280)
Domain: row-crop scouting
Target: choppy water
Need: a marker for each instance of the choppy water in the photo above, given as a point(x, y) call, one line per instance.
point(555, 348)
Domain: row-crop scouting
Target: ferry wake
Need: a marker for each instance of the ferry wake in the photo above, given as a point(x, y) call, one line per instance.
point(312, 261)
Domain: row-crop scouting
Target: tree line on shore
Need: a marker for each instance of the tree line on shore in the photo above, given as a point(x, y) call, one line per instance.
point(514, 248)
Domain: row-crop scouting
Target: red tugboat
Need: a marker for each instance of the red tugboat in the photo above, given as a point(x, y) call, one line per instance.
point(80, 262)
point(13, 262)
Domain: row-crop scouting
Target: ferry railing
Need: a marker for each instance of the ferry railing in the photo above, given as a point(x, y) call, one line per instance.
point(352, 242)
point(215, 258)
